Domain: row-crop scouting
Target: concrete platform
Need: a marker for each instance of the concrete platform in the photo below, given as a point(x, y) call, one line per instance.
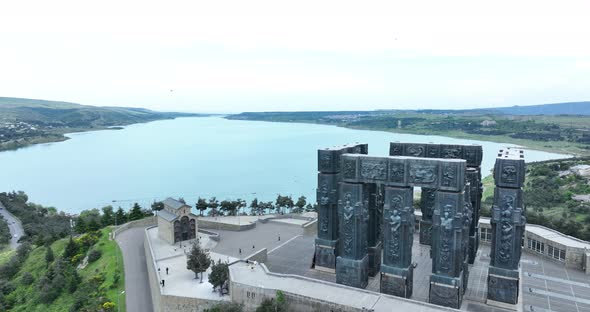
point(547, 285)
point(180, 281)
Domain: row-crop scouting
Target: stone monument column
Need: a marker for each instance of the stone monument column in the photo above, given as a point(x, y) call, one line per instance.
point(473, 154)
point(427, 208)
point(398, 238)
point(352, 263)
point(375, 207)
point(446, 281)
point(448, 241)
point(473, 176)
point(326, 244)
point(467, 223)
point(508, 222)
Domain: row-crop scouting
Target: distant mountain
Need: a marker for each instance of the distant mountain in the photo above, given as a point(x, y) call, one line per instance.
point(571, 108)
point(72, 115)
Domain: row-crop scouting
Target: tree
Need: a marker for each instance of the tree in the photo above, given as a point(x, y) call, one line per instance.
point(157, 206)
point(108, 217)
point(71, 249)
point(226, 307)
point(301, 202)
point(93, 225)
point(283, 202)
point(120, 216)
point(198, 259)
point(254, 207)
point(49, 257)
point(225, 206)
point(213, 204)
point(80, 226)
point(219, 275)
point(269, 205)
point(201, 205)
point(277, 304)
point(135, 213)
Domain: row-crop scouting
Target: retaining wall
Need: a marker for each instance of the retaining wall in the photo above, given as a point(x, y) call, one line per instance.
point(311, 227)
point(169, 303)
point(206, 224)
point(212, 235)
point(137, 223)
point(260, 256)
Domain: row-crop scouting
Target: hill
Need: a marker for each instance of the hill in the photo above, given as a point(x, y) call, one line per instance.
point(27, 121)
point(74, 115)
point(571, 108)
point(547, 130)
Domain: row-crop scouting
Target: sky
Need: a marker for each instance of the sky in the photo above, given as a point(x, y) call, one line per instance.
point(234, 56)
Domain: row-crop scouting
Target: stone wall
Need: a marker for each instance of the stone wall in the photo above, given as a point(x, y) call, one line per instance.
point(587, 262)
point(152, 273)
point(252, 297)
point(166, 230)
point(310, 228)
point(212, 235)
point(251, 292)
point(259, 256)
point(137, 223)
point(169, 303)
point(206, 224)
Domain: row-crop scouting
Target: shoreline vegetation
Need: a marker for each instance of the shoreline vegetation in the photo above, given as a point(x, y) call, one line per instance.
point(563, 134)
point(25, 122)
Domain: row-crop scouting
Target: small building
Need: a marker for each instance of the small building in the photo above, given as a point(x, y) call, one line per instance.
point(176, 222)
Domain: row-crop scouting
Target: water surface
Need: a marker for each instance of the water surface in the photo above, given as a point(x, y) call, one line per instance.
point(191, 157)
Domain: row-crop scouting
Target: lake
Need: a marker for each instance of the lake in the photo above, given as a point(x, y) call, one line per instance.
point(192, 157)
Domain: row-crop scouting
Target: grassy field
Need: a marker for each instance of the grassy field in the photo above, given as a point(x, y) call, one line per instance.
point(5, 254)
point(25, 296)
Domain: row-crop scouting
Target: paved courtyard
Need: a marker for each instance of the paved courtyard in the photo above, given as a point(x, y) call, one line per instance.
point(547, 286)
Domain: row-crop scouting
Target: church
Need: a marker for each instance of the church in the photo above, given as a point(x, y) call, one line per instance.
point(176, 222)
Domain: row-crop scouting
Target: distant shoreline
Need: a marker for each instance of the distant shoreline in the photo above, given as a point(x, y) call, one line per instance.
point(557, 147)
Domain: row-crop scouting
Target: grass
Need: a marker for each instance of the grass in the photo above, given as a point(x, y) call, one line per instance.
point(488, 187)
point(5, 254)
point(26, 296)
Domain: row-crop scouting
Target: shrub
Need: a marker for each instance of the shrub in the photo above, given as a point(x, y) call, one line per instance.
point(108, 306)
point(94, 255)
point(27, 279)
point(77, 258)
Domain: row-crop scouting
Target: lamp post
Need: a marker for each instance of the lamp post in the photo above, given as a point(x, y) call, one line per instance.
point(118, 301)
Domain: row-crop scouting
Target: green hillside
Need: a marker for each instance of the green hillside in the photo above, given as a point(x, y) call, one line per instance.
point(26, 121)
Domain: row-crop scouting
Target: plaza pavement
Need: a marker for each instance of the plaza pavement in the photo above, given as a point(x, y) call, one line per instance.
point(547, 285)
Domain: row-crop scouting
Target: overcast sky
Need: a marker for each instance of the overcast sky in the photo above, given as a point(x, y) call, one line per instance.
point(232, 56)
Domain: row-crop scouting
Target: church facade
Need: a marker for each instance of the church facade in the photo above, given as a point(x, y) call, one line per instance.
point(176, 222)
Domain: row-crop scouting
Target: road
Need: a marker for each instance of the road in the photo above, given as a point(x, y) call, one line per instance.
point(16, 228)
point(137, 285)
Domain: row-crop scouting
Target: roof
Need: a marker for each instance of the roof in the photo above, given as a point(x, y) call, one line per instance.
point(173, 203)
point(551, 235)
point(167, 215)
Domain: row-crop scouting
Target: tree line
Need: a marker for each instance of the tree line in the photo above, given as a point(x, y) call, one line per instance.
point(282, 204)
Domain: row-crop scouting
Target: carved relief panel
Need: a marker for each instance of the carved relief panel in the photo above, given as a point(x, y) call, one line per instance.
point(398, 227)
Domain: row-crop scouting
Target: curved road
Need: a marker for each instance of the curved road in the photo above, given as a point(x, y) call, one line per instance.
point(16, 228)
point(137, 285)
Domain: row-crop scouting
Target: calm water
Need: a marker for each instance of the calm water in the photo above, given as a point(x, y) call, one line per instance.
point(190, 157)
